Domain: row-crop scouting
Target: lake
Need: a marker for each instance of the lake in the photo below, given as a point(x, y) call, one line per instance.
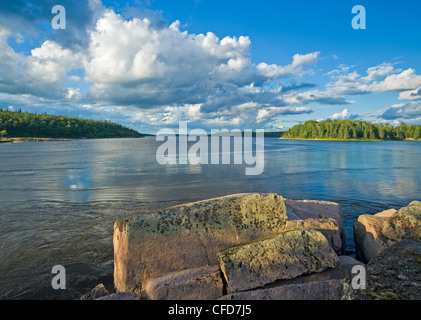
point(59, 199)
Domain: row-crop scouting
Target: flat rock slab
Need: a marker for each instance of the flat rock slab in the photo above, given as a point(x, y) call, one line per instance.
point(325, 285)
point(190, 235)
point(342, 271)
point(318, 290)
point(285, 256)
point(315, 209)
point(204, 283)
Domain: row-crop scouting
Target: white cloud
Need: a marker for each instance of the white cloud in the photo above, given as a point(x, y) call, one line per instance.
point(134, 63)
point(344, 115)
point(405, 80)
point(74, 95)
point(136, 51)
point(268, 113)
point(43, 73)
point(411, 94)
point(296, 68)
point(402, 111)
point(380, 71)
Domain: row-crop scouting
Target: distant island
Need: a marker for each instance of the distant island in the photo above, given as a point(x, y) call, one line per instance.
point(352, 130)
point(25, 126)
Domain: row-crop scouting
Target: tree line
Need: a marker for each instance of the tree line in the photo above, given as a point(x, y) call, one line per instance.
point(347, 129)
point(25, 124)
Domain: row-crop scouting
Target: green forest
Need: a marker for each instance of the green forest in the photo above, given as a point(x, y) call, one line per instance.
point(352, 130)
point(24, 124)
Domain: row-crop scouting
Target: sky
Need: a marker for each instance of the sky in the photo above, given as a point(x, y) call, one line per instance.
point(217, 64)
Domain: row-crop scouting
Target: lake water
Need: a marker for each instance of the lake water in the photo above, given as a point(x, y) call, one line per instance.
point(59, 200)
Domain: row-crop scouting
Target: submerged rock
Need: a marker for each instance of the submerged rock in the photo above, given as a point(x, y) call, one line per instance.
point(190, 235)
point(285, 256)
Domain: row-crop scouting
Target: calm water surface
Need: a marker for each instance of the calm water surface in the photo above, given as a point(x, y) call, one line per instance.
point(59, 200)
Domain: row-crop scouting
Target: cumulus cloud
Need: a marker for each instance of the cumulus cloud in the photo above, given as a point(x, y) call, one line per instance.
point(405, 80)
point(43, 73)
point(380, 71)
point(298, 67)
point(132, 62)
point(402, 111)
point(344, 115)
point(411, 94)
point(347, 82)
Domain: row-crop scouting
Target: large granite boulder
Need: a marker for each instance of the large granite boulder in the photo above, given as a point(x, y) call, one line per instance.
point(368, 237)
point(285, 256)
point(405, 224)
point(394, 274)
point(320, 210)
point(374, 233)
point(190, 235)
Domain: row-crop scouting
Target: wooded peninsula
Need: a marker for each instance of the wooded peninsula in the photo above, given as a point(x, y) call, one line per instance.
point(24, 124)
point(352, 130)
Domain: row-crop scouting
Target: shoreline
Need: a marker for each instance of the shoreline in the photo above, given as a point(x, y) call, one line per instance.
point(29, 139)
point(19, 140)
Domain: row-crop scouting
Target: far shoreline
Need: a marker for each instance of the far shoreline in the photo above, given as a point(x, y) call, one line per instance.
point(348, 140)
point(32, 139)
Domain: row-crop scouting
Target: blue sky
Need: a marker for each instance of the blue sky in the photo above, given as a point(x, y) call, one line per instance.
point(217, 64)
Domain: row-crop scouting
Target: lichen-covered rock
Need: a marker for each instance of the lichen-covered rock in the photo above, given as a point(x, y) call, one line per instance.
point(315, 209)
point(328, 227)
point(204, 283)
point(393, 275)
point(368, 237)
point(318, 290)
point(285, 256)
point(190, 235)
point(405, 224)
point(374, 233)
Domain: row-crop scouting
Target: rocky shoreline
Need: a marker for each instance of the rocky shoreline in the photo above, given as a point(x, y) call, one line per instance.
point(261, 246)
